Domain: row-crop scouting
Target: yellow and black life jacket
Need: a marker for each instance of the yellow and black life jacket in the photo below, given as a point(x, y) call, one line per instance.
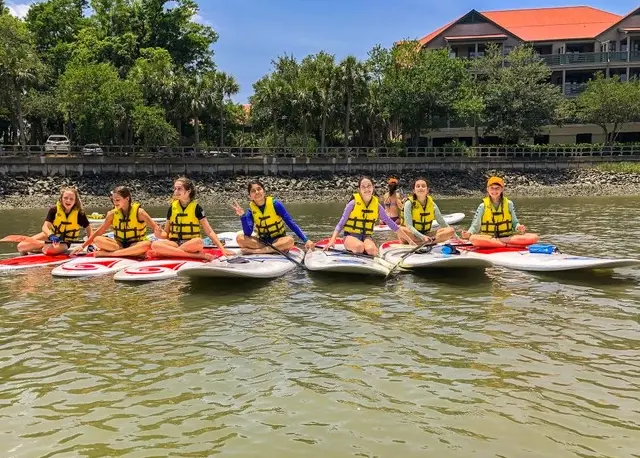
point(267, 223)
point(129, 228)
point(496, 222)
point(65, 225)
point(363, 217)
point(422, 216)
point(184, 223)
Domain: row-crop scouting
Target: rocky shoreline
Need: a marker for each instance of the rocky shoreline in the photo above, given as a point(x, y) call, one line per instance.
point(35, 192)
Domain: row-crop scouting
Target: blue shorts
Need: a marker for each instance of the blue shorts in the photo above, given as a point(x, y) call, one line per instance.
point(361, 237)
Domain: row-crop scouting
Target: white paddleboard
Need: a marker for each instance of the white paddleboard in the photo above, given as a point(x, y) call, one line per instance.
point(451, 218)
point(556, 262)
point(337, 260)
point(159, 269)
point(393, 251)
point(92, 267)
point(244, 266)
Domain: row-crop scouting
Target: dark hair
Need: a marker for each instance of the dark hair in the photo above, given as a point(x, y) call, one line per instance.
point(188, 185)
point(413, 186)
point(123, 192)
point(252, 182)
point(392, 188)
point(364, 177)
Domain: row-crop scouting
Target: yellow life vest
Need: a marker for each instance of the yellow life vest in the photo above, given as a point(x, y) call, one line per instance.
point(268, 223)
point(363, 217)
point(422, 216)
point(496, 222)
point(129, 229)
point(184, 223)
point(65, 225)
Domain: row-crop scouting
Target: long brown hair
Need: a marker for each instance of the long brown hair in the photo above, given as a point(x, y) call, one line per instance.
point(77, 204)
point(188, 185)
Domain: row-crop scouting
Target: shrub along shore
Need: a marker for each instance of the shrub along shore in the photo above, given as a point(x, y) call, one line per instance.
point(39, 192)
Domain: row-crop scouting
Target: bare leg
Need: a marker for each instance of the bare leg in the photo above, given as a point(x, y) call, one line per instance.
point(138, 249)
point(523, 239)
point(283, 244)
point(33, 244)
point(444, 233)
point(50, 249)
point(484, 240)
point(353, 244)
point(169, 249)
point(370, 247)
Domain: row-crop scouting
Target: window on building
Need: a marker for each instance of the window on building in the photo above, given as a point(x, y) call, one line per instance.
point(584, 138)
point(541, 140)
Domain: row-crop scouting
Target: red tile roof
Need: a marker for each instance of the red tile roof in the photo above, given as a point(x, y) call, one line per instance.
point(547, 24)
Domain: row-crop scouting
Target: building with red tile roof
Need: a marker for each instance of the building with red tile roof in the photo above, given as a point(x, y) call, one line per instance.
point(575, 41)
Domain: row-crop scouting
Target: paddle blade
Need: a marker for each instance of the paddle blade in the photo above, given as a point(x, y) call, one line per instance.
point(15, 238)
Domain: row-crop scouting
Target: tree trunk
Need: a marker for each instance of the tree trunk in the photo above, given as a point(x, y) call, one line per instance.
point(476, 135)
point(18, 102)
point(324, 122)
point(346, 122)
point(196, 128)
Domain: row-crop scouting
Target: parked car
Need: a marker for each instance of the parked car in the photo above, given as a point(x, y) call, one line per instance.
point(91, 149)
point(57, 143)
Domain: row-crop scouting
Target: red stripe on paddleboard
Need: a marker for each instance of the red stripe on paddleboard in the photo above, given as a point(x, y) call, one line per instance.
point(33, 260)
point(92, 265)
point(147, 270)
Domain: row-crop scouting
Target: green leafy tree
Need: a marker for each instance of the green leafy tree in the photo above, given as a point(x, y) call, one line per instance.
point(151, 128)
point(20, 67)
point(609, 104)
point(518, 98)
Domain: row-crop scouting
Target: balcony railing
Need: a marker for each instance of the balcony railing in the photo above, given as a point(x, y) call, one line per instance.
point(127, 154)
point(573, 89)
point(586, 58)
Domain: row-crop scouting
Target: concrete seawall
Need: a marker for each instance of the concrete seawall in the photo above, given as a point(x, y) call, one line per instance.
point(171, 166)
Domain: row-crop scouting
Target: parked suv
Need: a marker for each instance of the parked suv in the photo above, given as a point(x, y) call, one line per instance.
point(57, 143)
point(92, 148)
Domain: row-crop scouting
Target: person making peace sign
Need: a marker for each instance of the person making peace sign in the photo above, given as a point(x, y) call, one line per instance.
point(268, 216)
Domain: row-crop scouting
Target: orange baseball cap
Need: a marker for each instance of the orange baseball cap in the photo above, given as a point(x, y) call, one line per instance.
point(392, 181)
point(495, 180)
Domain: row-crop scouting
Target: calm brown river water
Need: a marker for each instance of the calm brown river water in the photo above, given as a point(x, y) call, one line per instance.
point(497, 363)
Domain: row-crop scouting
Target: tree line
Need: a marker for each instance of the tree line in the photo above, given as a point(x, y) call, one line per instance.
point(143, 72)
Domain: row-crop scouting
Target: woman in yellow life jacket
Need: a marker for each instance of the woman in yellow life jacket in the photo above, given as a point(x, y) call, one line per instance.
point(61, 226)
point(267, 216)
point(420, 211)
point(495, 222)
point(129, 222)
point(358, 219)
point(185, 218)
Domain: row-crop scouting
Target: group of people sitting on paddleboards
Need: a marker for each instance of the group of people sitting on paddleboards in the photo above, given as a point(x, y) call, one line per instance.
point(495, 223)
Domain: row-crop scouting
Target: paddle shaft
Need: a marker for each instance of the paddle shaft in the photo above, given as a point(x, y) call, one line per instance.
point(286, 255)
point(409, 253)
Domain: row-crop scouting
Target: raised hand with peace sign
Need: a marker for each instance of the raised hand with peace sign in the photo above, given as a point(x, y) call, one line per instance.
point(237, 208)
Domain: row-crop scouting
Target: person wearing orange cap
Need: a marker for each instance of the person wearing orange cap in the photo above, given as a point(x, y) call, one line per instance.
point(495, 222)
point(392, 200)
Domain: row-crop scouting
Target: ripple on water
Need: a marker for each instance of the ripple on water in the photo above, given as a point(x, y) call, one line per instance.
point(495, 363)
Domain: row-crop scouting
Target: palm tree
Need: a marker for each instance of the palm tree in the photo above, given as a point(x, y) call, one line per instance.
point(224, 86)
point(352, 79)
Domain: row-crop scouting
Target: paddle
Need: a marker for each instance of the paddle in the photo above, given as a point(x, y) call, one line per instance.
point(15, 238)
point(286, 255)
point(351, 253)
point(409, 253)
